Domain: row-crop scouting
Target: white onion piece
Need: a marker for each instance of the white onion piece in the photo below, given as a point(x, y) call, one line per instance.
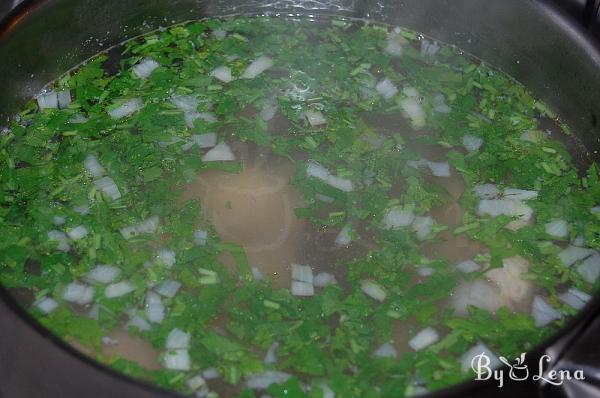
point(103, 273)
point(394, 43)
point(207, 140)
point(168, 288)
point(302, 289)
point(478, 349)
point(93, 166)
point(262, 381)
point(78, 119)
point(220, 153)
point(579, 241)
point(589, 269)
point(78, 293)
point(302, 273)
point(166, 257)
point(222, 73)
point(519, 194)
point(106, 340)
point(575, 298)
point(185, 103)
point(147, 226)
point(200, 237)
point(479, 294)
point(77, 233)
point(373, 290)
point(271, 355)
point(486, 191)
point(425, 271)
point(471, 142)
point(154, 309)
point(396, 218)
point(58, 220)
point(595, 210)
point(411, 92)
point(468, 266)
point(414, 111)
point(108, 186)
point(439, 104)
point(84, 210)
point(327, 391)
point(507, 207)
point(196, 382)
point(145, 67)
point(256, 67)
point(211, 373)
point(64, 98)
point(344, 239)
point(386, 88)
point(324, 198)
point(94, 312)
point(140, 323)
point(219, 34)
point(557, 228)
point(439, 169)
point(177, 360)
point(573, 254)
point(429, 48)
point(543, 313)
point(118, 289)
point(48, 100)
point(314, 169)
point(423, 339)
point(127, 108)
point(315, 118)
point(324, 279)
point(268, 112)
point(46, 305)
point(61, 238)
point(177, 338)
point(423, 226)
point(257, 274)
point(387, 350)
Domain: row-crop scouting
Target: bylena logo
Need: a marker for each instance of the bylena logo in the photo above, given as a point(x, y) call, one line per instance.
point(519, 371)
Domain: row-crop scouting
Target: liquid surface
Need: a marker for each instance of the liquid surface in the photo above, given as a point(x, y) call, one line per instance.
point(290, 208)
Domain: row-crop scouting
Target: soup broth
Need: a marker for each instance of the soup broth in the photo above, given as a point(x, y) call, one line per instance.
point(278, 207)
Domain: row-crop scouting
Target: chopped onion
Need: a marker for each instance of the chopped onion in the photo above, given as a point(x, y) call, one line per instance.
point(414, 111)
point(58, 220)
point(423, 339)
point(575, 298)
point(63, 98)
point(327, 391)
point(168, 288)
point(302, 273)
point(219, 34)
point(103, 273)
point(467, 358)
point(468, 266)
point(589, 269)
point(373, 290)
point(61, 238)
point(155, 309)
point(185, 103)
point(268, 112)
point(257, 275)
point(93, 166)
point(595, 210)
point(147, 226)
point(222, 73)
point(118, 289)
point(262, 381)
point(439, 169)
point(394, 43)
point(46, 305)
point(177, 338)
point(472, 143)
point(196, 382)
point(508, 207)
point(344, 239)
point(315, 118)
point(557, 228)
point(519, 194)
point(48, 100)
point(387, 350)
point(140, 323)
point(316, 170)
point(200, 237)
point(82, 209)
point(324, 198)
point(477, 293)
point(78, 119)
point(256, 67)
point(302, 289)
point(271, 356)
point(78, 233)
point(106, 340)
point(324, 279)
point(166, 257)
point(220, 153)
point(543, 313)
point(573, 254)
point(439, 104)
point(579, 241)
point(144, 69)
point(397, 218)
point(127, 108)
point(386, 88)
point(486, 191)
point(108, 186)
point(211, 373)
point(425, 271)
point(423, 226)
point(207, 140)
point(94, 312)
point(177, 360)
point(429, 48)
point(78, 293)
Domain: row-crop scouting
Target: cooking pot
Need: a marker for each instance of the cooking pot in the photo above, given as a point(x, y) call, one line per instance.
point(531, 40)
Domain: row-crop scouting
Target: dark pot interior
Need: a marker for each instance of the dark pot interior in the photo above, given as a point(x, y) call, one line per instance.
point(530, 40)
